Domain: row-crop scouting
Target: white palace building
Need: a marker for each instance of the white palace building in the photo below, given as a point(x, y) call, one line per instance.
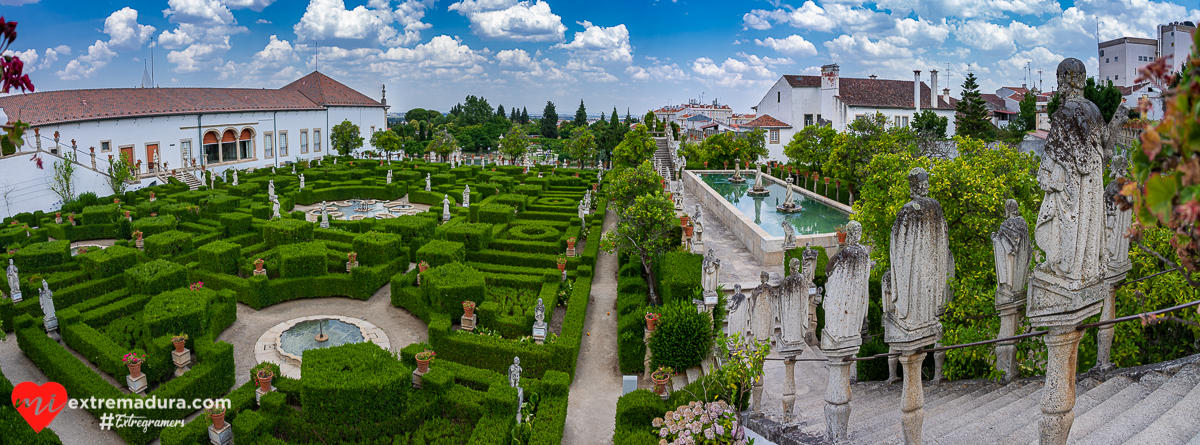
point(174, 129)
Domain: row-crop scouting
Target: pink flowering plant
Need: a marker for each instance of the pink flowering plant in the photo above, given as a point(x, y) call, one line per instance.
point(134, 358)
point(198, 285)
point(701, 423)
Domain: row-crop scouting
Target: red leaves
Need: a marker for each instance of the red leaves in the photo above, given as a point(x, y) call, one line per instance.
point(35, 157)
point(11, 67)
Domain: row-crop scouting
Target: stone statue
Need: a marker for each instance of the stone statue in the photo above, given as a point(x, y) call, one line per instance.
point(14, 283)
point(739, 313)
point(539, 312)
point(793, 310)
point(428, 182)
point(389, 177)
point(302, 181)
point(919, 264)
point(789, 235)
point(787, 199)
point(271, 189)
point(467, 196)
point(275, 208)
point(696, 216)
point(1117, 221)
point(709, 273)
point(293, 169)
point(1070, 222)
point(762, 321)
point(758, 183)
point(1012, 249)
point(445, 205)
point(846, 291)
point(324, 215)
point(514, 373)
point(46, 299)
point(582, 210)
point(809, 269)
point(235, 177)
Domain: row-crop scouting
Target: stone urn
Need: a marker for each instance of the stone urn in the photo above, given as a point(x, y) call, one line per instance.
point(468, 309)
point(180, 342)
point(651, 321)
point(264, 379)
point(135, 369)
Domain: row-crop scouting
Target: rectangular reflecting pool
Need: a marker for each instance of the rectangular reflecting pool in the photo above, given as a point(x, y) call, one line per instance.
point(814, 218)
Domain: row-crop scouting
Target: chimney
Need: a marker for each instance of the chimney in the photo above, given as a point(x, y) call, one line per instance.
point(916, 91)
point(933, 87)
point(946, 91)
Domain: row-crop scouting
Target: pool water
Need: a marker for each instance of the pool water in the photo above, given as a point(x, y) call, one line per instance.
point(302, 336)
point(816, 217)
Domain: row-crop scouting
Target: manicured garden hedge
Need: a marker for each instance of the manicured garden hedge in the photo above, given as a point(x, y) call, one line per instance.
point(168, 244)
point(108, 262)
point(287, 231)
point(439, 252)
point(155, 277)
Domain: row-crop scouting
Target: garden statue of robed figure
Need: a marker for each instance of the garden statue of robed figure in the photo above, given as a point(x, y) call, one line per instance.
point(846, 302)
point(710, 270)
point(14, 283)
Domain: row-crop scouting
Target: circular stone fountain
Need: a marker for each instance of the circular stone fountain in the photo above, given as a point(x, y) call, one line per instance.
point(356, 209)
point(285, 343)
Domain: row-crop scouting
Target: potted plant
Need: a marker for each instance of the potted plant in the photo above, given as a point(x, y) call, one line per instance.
point(651, 320)
point(841, 234)
point(134, 361)
point(264, 377)
point(469, 308)
point(660, 377)
point(179, 341)
point(423, 266)
point(687, 230)
point(197, 285)
point(353, 257)
point(217, 415)
point(423, 359)
point(258, 265)
point(571, 242)
point(116, 200)
point(706, 165)
point(684, 219)
point(137, 235)
point(562, 263)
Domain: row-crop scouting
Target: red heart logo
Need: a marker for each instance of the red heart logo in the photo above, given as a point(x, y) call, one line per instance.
point(39, 404)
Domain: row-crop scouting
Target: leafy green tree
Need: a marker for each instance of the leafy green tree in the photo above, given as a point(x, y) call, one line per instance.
point(515, 143)
point(549, 124)
point(581, 115)
point(1027, 117)
point(972, 118)
point(625, 184)
point(515, 116)
point(443, 143)
point(694, 152)
point(119, 174)
point(645, 222)
point(418, 114)
point(500, 110)
point(387, 141)
point(928, 124)
point(63, 184)
point(728, 148)
point(345, 138)
point(1106, 97)
point(866, 138)
point(636, 147)
point(524, 116)
point(582, 146)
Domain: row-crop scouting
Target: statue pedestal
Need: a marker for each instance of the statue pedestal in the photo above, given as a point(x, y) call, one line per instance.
point(1058, 399)
point(1055, 302)
point(16, 298)
point(468, 323)
point(837, 396)
point(182, 361)
point(139, 243)
point(912, 397)
point(223, 436)
point(570, 252)
point(1108, 311)
point(260, 272)
point(789, 389)
point(259, 393)
point(1006, 352)
point(51, 324)
point(351, 266)
point(646, 339)
point(324, 224)
point(539, 332)
point(416, 378)
point(138, 385)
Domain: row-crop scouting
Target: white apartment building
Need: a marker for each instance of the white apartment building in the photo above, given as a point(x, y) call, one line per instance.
point(794, 102)
point(678, 113)
point(1121, 58)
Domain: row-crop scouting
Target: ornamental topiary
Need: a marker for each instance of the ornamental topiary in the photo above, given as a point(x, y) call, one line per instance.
point(236, 223)
point(39, 256)
point(169, 244)
point(339, 379)
point(287, 231)
point(155, 277)
point(220, 257)
point(446, 287)
point(376, 248)
point(473, 236)
point(154, 225)
point(496, 214)
point(302, 260)
point(533, 232)
point(178, 311)
point(108, 262)
point(683, 336)
point(439, 252)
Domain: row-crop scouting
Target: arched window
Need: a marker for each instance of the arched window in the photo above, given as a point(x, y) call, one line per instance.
point(245, 142)
point(228, 146)
point(211, 153)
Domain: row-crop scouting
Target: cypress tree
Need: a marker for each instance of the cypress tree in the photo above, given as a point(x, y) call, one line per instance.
point(515, 115)
point(500, 110)
point(972, 114)
point(524, 116)
point(581, 115)
point(549, 122)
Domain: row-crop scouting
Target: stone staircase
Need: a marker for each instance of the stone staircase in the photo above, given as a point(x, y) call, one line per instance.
point(187, 178)
point(666, 167)
point(1154, 404)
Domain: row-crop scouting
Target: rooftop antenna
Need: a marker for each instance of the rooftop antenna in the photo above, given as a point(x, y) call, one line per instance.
point(1040, 81)
point(152, 78)
point(316, 56)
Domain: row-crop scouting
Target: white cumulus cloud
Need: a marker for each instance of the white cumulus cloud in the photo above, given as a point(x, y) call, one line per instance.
point(512, 20)
point(125, 34)
point(792, 45)
point(329, 21)
point(608, 44)
point(86, 65)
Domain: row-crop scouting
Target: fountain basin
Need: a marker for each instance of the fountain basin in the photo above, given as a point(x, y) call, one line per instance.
point(285, 343)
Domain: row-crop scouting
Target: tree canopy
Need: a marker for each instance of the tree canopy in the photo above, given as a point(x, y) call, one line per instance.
point(345, 138)
point(866, 138)
point(580, 115)
point(387, 141)
point(636, 147)
point(515, 143)
point(729, 147)
point(929, 125)
point(582, 146)
point(549, 123)
point(646, 216)
point(972, 118)
point(443, 143)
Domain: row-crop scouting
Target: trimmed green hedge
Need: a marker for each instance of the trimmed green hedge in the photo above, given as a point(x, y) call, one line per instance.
point(155, 277)
point(108, 262)
point(178, 311)
point(152, 225)
point(444, 288)
point(496, 214)
point(533, 232)
point(302, 260)
point(473, 236)
point(440, 252)
point(287, 231)
point(236, 223)
point(353, 383)
point(375, 248)
point(41, 256)
point(169, 244)
point(221, 257)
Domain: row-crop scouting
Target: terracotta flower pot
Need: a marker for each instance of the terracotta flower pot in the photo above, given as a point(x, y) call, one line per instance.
point(422, 366)
point(660, 385)
point(423, 267)
point(218, 420)
point(179, 345)
point(258, 267)
point(841, 237)
point(264, 381)
point(687, 231)
point(562, 267)
point(469, 311)
point(651, 323)
point(570, 244)
point(683, 220)
point(135, 370)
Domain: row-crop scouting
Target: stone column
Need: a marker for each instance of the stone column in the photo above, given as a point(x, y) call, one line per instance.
point(789, 389)
point(1006, 352)
point(1058, 398)
point(1104, 338)
point(756, 394)
point(837, 400)
point(646, 339)
point(939, 358)
point(892, 363)
point(912, 397)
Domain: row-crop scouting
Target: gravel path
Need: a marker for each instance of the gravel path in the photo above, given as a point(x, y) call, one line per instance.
point(592, 404)
point(401, 327)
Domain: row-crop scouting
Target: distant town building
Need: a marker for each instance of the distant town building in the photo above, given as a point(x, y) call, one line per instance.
point(1120, 59)
point(794, 102)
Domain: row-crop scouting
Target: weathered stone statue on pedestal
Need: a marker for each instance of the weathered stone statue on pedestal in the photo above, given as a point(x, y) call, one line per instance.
point(1116, 223)
point(324, 215)
point(445, 208)
point(1069, 286)
point(758, 189)
point(275, 209)
point(46, 299)
point(919, 255)
point(428, 182)
point(788, 205)
point(466, 196)
point(302, 181)
point(789, 235)
point(539, 324)
point(762, 326)
point(271, 190)
point(737, 172)
point(14, 282)
point(389, 177)
point(514, 373)
point(793, 313)
point(808, 268)
point(1013, 251)
point(235, 177)
point(846, 302)
point(709, 274)
point(738, 309)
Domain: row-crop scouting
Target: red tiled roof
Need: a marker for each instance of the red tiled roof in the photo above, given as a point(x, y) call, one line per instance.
point(883, 93)
point(803, 81)
point(328, 92)
point(993, 101)
point(766, 121)
point(54, 107)
point(311, 92)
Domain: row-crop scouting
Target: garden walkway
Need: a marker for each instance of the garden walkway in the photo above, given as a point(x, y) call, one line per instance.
point(401, 327)
point(592, 403)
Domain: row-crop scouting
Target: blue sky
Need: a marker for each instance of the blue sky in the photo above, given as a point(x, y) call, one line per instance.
point(639, 54)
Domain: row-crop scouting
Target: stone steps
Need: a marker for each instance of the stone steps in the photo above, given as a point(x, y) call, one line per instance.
point(187, 178)
point(977, 418)
point(1167, 416)
point(1106, 411)
point(1084, 402)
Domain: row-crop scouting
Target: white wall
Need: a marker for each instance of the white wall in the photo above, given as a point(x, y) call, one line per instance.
point(778, 102)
